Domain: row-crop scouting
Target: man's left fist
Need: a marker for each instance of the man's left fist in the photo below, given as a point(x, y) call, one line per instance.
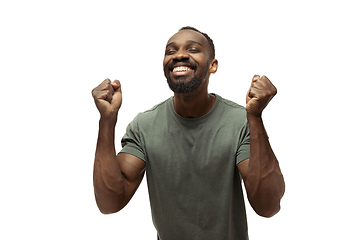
point(259, 95)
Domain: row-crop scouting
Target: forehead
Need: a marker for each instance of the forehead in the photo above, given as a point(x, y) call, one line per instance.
point(185, 36)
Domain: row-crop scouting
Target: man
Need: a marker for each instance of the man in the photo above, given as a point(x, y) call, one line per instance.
point(193, 147)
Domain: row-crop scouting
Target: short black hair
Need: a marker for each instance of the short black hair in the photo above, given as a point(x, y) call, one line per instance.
point(210, 41)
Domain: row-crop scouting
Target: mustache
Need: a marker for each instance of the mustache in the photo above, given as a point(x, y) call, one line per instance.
point(186, 62)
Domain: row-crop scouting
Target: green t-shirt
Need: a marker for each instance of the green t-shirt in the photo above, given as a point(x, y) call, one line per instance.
point(194, 185)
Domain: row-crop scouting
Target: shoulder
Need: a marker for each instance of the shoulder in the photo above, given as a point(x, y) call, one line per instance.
point(152, 114)
point(158, 107)
point(231, 108)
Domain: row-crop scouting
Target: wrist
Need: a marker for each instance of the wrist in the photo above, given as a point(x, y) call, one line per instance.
point(108, 121)
point(256, 125)
point(106, 135)
point(253, 118)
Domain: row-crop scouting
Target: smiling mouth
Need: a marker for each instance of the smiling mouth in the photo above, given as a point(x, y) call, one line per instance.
point(181, 69)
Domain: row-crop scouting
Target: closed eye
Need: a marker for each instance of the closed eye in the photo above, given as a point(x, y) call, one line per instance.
point(194, 50)
point(170, 51)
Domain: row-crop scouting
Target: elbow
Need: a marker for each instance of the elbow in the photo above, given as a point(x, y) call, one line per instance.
point(108, 200)
point(107, 209)
point(267, 203)
point(108, 204)
point(266, 206)
point(268, 212)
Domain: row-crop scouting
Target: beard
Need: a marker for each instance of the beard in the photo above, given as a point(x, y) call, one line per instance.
point(186, 84)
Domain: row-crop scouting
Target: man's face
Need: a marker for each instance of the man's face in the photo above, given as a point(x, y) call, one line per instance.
point(186, 61)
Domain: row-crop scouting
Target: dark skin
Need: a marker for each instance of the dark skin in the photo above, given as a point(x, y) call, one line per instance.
point(117, 177)
point(184, 45)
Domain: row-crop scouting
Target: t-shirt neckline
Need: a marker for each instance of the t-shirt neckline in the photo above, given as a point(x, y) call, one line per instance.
point(194, 120)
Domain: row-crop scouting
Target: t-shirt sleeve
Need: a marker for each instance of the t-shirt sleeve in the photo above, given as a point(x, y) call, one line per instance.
point(132, 141)
point(243, 151)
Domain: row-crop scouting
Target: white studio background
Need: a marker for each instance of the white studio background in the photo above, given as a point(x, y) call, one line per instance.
point(52, 53)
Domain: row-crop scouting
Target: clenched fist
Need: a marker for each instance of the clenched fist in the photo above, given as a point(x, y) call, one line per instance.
point(108, 97)
point(259, 95)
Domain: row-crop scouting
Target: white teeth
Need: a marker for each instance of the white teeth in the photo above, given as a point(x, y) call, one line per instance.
point(181, 69)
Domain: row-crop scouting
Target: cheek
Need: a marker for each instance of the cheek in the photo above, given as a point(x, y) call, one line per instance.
point(165, 61)
point(200, 59)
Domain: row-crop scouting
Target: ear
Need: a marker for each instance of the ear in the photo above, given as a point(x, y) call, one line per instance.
point(213, 66)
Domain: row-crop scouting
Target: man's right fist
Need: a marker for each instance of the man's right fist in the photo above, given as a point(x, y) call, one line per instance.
point(108, 98)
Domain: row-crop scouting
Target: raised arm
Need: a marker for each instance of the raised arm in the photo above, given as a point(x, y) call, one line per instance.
point(116, 177)
point(261, 173)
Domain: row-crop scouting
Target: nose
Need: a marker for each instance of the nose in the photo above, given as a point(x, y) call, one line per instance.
point(181, 54)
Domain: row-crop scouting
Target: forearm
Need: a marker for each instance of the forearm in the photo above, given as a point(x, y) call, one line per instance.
point(265, 184)
point(108, 179)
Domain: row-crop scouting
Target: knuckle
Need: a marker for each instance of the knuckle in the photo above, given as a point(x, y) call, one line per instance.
point(106, 88)
point(274, 91)
point(107, 92)
point(95, 92)
point(262, 94)
point(102, 95)
point(105, 84)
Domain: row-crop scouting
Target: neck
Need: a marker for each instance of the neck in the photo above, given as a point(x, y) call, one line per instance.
point(193, 105)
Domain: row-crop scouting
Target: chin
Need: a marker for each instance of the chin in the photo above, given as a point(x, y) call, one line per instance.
point(181, 85)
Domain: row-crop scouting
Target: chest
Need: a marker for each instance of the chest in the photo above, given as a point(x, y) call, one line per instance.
point(201, 148)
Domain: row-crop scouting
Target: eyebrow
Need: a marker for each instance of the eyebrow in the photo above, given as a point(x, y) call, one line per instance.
point(189, 41)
